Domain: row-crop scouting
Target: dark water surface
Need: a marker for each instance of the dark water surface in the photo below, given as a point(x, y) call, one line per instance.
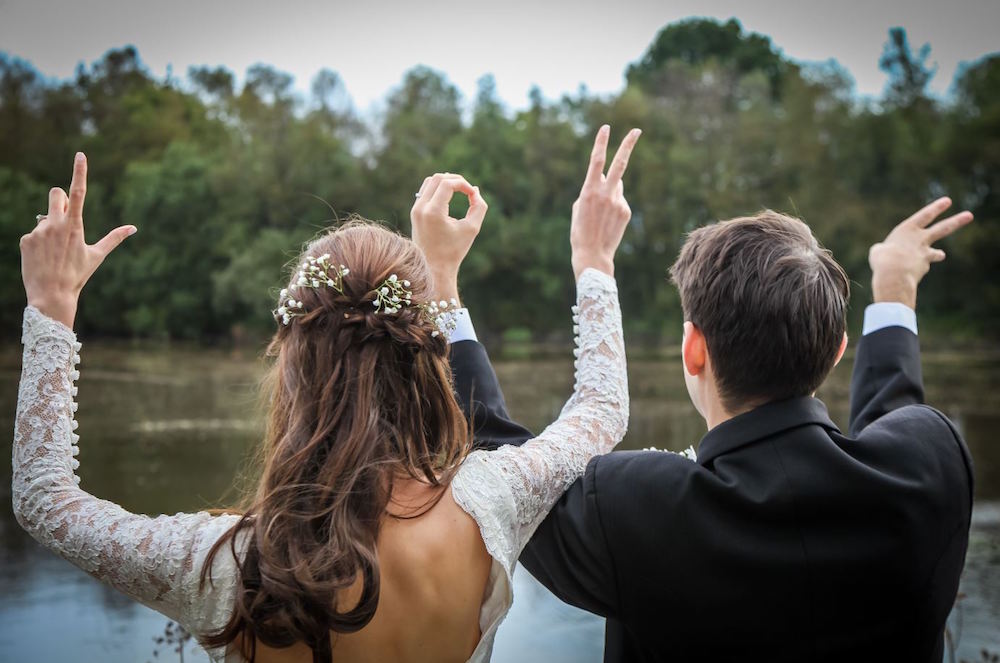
point(168, 430)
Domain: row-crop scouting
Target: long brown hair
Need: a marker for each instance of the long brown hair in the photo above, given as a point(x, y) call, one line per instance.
point(356, 399)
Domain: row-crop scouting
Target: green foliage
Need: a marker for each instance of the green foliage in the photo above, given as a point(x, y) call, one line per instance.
point(18, 206)
point(163, 287)
point(245, 291)
point(700, 41)
point(516, 343)
point(226, 181)
point(908, 72)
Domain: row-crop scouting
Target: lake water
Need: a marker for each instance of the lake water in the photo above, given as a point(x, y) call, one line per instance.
point(167, 430)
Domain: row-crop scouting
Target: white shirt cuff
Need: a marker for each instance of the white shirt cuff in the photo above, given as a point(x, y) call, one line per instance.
point(463, 331)
point(889, 314)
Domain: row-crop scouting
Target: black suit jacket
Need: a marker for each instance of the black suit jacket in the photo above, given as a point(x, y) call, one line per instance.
point(478, 392)
point(786, 541)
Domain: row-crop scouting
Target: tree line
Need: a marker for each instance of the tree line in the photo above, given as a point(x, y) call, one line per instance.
point(226, 181)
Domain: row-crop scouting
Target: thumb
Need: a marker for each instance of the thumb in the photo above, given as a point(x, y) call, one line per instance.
point(111, 241)
point(477, 209)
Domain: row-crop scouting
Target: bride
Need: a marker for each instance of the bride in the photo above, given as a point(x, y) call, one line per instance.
point(375, 533)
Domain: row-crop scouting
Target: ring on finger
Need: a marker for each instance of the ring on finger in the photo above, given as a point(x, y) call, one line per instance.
point(416, 195)
point(38, 218)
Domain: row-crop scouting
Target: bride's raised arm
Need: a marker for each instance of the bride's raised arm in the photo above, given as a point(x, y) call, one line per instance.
point(154, 560)
point(509, 491)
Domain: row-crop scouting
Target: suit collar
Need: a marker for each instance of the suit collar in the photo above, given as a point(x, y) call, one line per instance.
point(762, 422)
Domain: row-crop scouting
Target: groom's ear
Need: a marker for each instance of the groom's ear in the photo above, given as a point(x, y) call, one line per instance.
point(841, 350)
point(694, 350)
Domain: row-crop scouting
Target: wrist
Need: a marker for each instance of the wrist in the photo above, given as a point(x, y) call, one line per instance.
point(61, 308)
point(445, 283)
point(583, 261)
point(894, 288)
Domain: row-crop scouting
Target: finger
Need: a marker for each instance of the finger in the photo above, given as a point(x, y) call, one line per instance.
point(422, 190)
point(448, 187)
point(923, 217)
point(427, 194)
point(427, 186)
point(57, 203)
point(78, 188)
point(477, 210)
point(418, 198)
point(620, 162)
point(111, 241)
point(598, 155)
point(946, 227)
point(43, 223)
point(461, 185)
point(936, 255)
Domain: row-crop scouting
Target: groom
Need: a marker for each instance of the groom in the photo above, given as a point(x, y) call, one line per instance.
point(787, 540)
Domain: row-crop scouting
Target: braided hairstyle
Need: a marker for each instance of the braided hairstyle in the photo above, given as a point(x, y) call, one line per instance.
point(357, 398)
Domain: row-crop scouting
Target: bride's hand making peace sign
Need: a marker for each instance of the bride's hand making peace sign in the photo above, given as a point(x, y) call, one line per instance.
point(601, 213)
point(56, 261)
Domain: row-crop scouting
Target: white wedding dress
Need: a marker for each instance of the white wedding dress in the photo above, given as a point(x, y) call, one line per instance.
point(157, 561)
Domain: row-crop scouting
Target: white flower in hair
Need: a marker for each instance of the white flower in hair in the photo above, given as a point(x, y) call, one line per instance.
point(389, 297)
point(313, 273)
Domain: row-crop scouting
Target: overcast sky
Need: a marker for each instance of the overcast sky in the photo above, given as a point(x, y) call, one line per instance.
point(556, 45)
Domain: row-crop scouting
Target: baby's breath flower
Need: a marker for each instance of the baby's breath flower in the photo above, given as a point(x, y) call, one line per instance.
point(314, 272)
point(389, 297)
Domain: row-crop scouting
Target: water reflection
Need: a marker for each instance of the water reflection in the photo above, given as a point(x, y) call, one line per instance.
point(168, 430)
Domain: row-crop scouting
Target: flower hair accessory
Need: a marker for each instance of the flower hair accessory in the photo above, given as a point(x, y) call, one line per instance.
point(390, 296)
point(313, 273)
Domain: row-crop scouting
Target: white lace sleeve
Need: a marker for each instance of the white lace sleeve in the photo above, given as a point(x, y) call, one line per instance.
point(509, 491)
point(156, 561)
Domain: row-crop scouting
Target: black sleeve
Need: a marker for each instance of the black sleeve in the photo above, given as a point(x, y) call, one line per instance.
point(569, 553)
point(886, 377)
point(478, 392)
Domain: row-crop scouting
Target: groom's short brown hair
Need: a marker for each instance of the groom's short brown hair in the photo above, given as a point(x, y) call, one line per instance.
point(770, 301)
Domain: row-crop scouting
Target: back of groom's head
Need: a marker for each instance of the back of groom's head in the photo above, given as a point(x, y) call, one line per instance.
point(770, 301)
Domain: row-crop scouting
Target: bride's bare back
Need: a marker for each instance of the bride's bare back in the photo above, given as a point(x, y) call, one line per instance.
point(434, 571)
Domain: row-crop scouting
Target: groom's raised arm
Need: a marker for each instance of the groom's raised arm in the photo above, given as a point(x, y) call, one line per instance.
point(887, 373)
point(478, 391)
